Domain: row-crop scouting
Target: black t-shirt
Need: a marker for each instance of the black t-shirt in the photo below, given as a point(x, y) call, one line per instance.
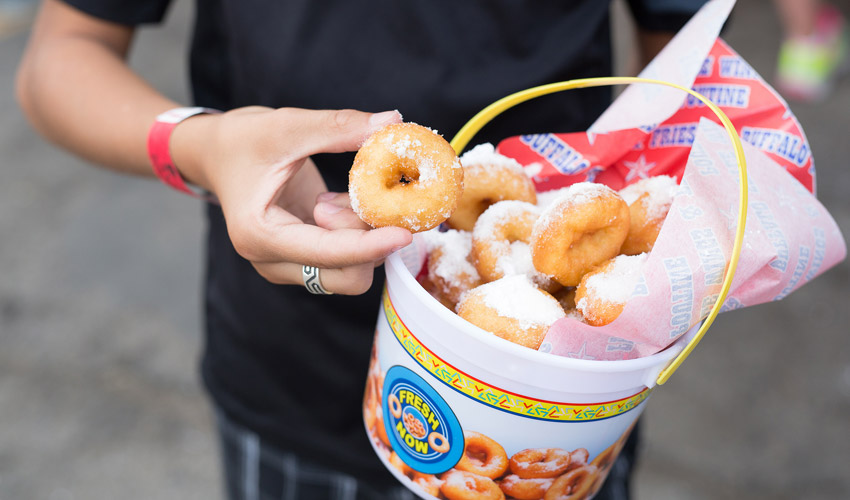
point(279, 360)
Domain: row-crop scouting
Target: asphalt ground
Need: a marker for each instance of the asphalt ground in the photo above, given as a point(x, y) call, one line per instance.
point(100, 333)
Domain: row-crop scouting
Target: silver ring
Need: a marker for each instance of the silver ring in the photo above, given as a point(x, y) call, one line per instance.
point(310, 275)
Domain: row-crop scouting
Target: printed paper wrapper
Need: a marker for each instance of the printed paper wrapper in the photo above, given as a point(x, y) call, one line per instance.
point(655, 130)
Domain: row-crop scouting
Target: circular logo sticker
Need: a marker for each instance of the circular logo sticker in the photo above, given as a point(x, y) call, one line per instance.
point(422, 428)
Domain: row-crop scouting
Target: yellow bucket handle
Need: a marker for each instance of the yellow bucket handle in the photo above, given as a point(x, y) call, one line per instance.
point(485, 115)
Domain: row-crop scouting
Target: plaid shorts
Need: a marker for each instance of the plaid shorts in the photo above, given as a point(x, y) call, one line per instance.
point(256, 471)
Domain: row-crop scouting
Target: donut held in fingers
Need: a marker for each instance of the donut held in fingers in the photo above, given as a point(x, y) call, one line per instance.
point(405, 175)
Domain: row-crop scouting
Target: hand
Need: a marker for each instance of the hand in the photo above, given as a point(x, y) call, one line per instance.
point(256, 161)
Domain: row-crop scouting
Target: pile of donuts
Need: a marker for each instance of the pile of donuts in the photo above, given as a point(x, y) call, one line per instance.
point(506, 258)
point(485, 471)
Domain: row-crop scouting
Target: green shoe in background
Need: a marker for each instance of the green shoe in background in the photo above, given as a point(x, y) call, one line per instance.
point(809, 66)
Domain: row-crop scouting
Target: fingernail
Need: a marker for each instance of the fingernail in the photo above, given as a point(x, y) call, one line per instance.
point(329, 208)
point(385, 118)
point(326, 197)
point(395, 249)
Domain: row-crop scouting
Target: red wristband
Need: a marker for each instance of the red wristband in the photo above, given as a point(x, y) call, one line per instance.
point(158, 147)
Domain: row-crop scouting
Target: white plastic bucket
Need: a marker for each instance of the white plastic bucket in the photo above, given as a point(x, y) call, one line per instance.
point(431, 366)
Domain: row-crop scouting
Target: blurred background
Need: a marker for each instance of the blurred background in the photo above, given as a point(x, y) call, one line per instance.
point(100, 334)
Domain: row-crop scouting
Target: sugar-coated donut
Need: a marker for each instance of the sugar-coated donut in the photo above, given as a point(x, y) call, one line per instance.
point(460, 485)
point(525, 489)
point(582, 229)
point(511, 308)
point(500, 243)
point(450, 270)
point(574, 485)
point(429, 483)
point(399, 464)
point(405, 175)
point(578, 457)
point(540, 462)
point(500, 226)
point(488, 177)
point(482, 455)
point(649, 201)
point(602, 293)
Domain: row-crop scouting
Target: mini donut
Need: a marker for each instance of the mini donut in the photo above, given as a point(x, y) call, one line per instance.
point(381, 429)
point(579, 231)
point(435, 292)
point(649, 201)
point(414, 426)
point(511, 308)
point(500, 243)
point(525, 489)
point(461, 485)
point(370, 414)
point(429, 483)
point(540, 462)
point(399, 465)
point(606, 457)
point(405, 175)
point(574, 485)
point(482, 455)
point(394, 405)
point(372, 395)
point(603, 292)
point(438, 442)
point(488, 177)
point(578, 457)
point(450, 269)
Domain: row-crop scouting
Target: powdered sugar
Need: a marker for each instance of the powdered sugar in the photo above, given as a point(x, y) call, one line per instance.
point(455, 247)
point(517, 260)
point(547, 198)
point(661, 189)
point(617, 282)
point(585, 192)
point(486, 155)
point(403, 147)
point(458, 479)
point(498, 214)
point(575, 195)
point(541, 482)
point(515, 297)
point(354, 198)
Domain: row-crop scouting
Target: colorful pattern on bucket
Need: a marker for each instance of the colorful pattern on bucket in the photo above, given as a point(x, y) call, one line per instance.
point(495, 397)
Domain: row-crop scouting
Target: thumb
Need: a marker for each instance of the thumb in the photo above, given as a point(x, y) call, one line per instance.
point(336, 131)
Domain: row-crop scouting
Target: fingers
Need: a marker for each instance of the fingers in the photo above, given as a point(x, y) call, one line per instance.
point(340, 238)
point(333, 211)
point(291, 241)
point(333, 131)
point(353, 280)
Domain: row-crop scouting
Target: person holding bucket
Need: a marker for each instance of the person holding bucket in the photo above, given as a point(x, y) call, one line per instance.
point(285, 365)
